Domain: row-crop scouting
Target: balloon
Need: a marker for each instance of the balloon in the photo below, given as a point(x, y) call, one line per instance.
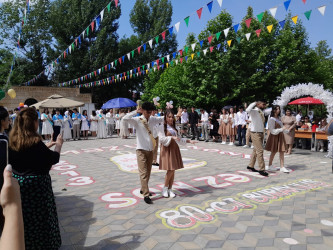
point(21, 104)
point(2, 94)
point(12, 93)
point(171, 102)
point(157, 99)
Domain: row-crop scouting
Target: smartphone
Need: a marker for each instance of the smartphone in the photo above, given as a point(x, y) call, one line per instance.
point(3, 158)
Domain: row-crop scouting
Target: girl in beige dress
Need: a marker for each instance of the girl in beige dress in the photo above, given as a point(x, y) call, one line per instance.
point(231, 128)
point(276, 142)
point(224, 119)
point(289, 124)
point(170, 157)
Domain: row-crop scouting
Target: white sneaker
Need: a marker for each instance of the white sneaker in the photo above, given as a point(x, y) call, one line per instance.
point(172, 194)
point(231, 144)
point(252, 146)
point(245, 146)
point(284, 170)
point(322, 150)
point(270, 168)
point(165, 192)
point(224, 142)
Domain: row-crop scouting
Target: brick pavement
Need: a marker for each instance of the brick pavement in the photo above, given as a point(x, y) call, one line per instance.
point(99, 206)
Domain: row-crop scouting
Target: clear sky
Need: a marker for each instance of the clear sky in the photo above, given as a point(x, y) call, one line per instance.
point(318, 27)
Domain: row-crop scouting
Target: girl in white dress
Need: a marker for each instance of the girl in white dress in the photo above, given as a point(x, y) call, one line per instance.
point(101, 127)
point(124, 133)
point(85, 124)
point(93, 123)
point(68, 125)
point(117, 117)
point(47, 129)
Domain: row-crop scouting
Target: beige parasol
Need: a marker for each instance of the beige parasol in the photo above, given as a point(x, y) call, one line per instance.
point(57, 101)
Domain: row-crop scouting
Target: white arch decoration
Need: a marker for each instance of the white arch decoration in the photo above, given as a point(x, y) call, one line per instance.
point(316, 91)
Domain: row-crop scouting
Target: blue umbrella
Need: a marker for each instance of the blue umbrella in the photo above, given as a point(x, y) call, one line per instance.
point(118, 103)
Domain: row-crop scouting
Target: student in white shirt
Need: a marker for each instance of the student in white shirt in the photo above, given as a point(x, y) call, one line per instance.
point(241, 121)
point(67, 126)
point(204, 124)
point(109, 122)
point(144, 126)
point(257, 135)
point(184, 122)
point(76, 117)
point(101, 125)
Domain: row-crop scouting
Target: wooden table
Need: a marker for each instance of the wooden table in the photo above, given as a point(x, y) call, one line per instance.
point(314, 136)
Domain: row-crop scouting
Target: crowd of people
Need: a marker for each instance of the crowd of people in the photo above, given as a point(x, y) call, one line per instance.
point(31, 158)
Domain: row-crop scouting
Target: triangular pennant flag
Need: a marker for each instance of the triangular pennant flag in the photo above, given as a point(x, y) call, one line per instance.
point(115, 63)
point(248, 22)
point(181, 52)
point(269, 28)
point(308, 14)
point(123, 58)
point(98, 21)
point(229, 42)
point(295, 18)
point(193, 46)
point(170, 31)
point(286, 4)
point(176, 61)
point(70, 49)
point(109, 6)
point(192, 56)
point(116, 2)
point(76, 42)
point(187, 19)
point(260, 16)
point(199, 11)
point(129, 56)
point(282, 23)
point(201, 43)
point(186, 50)
point(88, 31)
point(220, 2)
point(218, 35)
point(304, 1)
point(168, 58)
point(236, 27)
point(83, 34)
point(322, 10)
point(112, 64)
point(162, 59)
point(102, 15)
point(210, 39)
point(163, 35)
point(211, 49)
point(210, 6)
point(144, 47)
point(258, 32)
point(92, 25)
point(181, 60)
point(139, 49)
point(151, 43)
point(238, 39)
point(72, 46)
point(218, 46)
point(174, 54)
point(226, 31)
point(273, 11)
point(205, 51)
point(248, 36)
point(156, 39)
point(177, 26)
point(198, 54)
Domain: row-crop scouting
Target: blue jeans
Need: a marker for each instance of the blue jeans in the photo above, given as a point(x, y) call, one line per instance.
point(241, 135)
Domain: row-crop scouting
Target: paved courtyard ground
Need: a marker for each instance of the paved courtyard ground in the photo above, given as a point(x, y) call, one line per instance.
point(219, 204)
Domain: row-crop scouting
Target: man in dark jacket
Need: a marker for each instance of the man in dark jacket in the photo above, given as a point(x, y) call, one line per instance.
point(194, 121)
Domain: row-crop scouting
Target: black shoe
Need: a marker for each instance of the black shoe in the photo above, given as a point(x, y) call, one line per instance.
point(155, 164)
point(150, 194)
point(263, 173)
point(148, 200)
point(252, 169)
point(206, 140)
point(193, 138)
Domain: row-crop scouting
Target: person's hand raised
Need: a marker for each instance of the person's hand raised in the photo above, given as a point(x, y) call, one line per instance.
point(59, 140)
point(10, 193)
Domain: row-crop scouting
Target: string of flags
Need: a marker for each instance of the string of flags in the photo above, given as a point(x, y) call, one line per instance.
point(153, 41)
point(23, 22)
point(226, 31)
point(172, 59)
point(93, 26)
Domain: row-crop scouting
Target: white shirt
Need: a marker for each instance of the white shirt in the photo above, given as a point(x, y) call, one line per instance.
point(204, 118)
point(166, 140)
point(271, 126)
point(241, 118)
point(143, 140)
point(184, 117)
point(109, 118)
point(298, 117)
point(257, 124)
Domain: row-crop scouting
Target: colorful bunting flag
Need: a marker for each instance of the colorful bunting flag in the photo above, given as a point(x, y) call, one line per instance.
point(218, 46)
point(109, 7)
point(205, 51)
point(282, 23)
point(322, 9)
point(186, 50)
point(258, 32)
point(229, 42)
point(116, 2)
point(144, 47)
point(308, 14)
point(128, 56)
point(248, 22)
point(226, 31)
point(102, 15)
point(156, 39)
point(201, 43)
point(193, 46)
point(304, 1)
point(170, 31)
point(87, 31)
point(295, 18)
point(192, 55)
point(177, 26)
point(286, 4)
point(220, 2)
point(92, 25)
point(269, 28)
point(210, 39)
point(163, 35)
point(199, 11)
point(248, 36)
point(211, 49)
point(151, 43)
point(181, 52)
point(260, 16)
point(210, 6)
point(139, 49)
point(187, 19)
point(218, 35)
point(236, 27)
point(273, 11)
